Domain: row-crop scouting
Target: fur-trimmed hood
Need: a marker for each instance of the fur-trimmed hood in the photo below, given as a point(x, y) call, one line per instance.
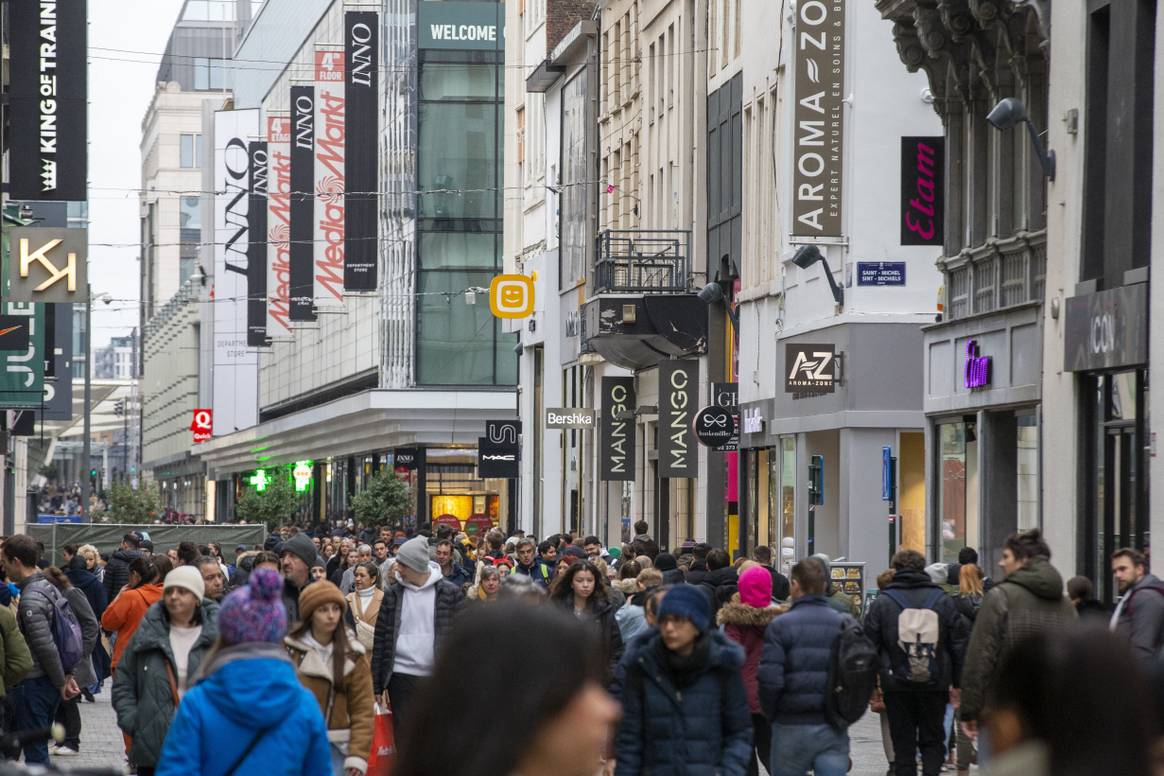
point(736, 613)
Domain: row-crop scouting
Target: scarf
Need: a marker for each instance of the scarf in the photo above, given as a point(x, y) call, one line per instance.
point(685, 669)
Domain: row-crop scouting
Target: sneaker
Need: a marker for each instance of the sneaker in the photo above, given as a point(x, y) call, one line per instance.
point(65, 751)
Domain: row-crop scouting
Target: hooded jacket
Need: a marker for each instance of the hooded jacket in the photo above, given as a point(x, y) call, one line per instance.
point(250, 694)
point(745, 625)
point(117, 571)
point(144, 690)
point(350, 716)
point(1029, 601)
point(881, 628)
point(126, 613)
point(1141, 619)
point(86, 581)
point(702, 728)
point(391, 629)
point(794, 666)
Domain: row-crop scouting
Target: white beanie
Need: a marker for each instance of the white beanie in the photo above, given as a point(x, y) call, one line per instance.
point(187, 578)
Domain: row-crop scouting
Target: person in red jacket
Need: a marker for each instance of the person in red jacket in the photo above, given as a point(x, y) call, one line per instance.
point(744, 620)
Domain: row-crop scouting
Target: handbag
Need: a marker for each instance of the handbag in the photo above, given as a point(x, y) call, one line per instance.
point(382, 755)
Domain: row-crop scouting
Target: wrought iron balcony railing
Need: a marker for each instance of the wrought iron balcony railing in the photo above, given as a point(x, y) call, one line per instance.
point(641, 261)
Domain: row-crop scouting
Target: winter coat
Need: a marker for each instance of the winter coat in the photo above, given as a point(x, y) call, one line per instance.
point(126, 613)
point(1141, 619)
point(250, 694)
point(87, 582)
point(745, 625)
point(721, 584)
point(83, 672)
point(35, 614)
point(460, 577)
point(1028, 602)
point(781, 587)
point(602, 615)
point(145, 687)
point(350, 717)
point(632, 617)
point(794, 666)
point(968, 606)
point(117, 572)
point(291, 601)
point(15, 659)
point(881, 627)
point(703, 728)
point(362, 618)
point(448, 599)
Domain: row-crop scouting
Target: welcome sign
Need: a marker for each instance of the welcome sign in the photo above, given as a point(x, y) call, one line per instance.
point(460, 25)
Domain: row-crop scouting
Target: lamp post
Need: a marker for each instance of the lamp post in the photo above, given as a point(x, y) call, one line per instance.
point(86, 485)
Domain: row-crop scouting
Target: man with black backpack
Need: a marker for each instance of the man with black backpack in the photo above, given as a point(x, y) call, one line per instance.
point(921, 639)
point(54, 638)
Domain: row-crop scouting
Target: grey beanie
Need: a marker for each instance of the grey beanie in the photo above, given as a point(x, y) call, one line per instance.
point(414, 554)
point(301, 547)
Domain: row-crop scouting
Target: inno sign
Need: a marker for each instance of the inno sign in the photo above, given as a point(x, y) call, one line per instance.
point(976, 371)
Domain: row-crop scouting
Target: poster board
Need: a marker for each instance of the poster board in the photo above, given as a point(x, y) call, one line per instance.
point(850, 579)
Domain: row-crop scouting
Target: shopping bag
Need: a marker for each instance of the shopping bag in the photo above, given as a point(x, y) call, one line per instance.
point(382, 755)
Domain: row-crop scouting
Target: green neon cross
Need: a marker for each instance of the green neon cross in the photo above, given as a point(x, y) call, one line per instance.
point(260, 479)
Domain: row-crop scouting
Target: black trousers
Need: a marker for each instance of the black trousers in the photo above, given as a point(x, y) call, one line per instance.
point(69, 715)
point(915, 723)
point(761, 745)
point(402, 692)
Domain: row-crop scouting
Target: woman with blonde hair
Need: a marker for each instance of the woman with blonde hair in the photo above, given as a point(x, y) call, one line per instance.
point(91, 556)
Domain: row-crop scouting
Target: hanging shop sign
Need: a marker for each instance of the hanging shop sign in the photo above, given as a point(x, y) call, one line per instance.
point(257, 245)
point(811, 370)
point(22, 370)
point(881, 273)
point(511, 296)
point(361, 167)
point(569, 417)
point(203, 425)
point(976, 369)
point(48, 265)
point(1107, 329)
point(330, 142)
point(278, 224)
point(461, 25)
point(302, 293)
point(616, 442)
point(47, 94)
point(717, 427)
point(499, 451)
point(819, 118)
point(405, 458)
point(922, 190)
point(753, 421)
point(678, 395)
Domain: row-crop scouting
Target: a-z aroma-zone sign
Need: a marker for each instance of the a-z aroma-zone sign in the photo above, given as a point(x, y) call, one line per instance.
point(459, 25)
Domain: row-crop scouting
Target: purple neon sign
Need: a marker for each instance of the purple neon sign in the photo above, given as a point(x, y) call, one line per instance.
point(976, 373)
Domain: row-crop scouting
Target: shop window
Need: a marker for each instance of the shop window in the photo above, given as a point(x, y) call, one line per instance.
point(958, 494)
point(1027, 474)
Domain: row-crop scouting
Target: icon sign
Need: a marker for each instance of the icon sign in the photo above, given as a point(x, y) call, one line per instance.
point(203, 425)
point(511, 296)
point(260, 480)
point(717, 427)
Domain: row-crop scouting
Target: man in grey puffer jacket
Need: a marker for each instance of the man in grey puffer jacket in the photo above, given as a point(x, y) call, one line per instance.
point(34, 701)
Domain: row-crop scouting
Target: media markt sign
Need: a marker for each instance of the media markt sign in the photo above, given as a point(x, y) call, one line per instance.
point(461, 25)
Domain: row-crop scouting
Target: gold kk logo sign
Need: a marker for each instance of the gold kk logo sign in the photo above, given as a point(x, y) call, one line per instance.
point(49, 265)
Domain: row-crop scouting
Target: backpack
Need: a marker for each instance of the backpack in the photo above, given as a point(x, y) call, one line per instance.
point(65, 628)
point(852, 675)
point(918, 630)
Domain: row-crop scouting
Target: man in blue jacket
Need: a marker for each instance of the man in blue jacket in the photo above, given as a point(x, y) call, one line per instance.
point(793, 679)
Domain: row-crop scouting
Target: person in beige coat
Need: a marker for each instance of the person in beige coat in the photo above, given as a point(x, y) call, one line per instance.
point(364, 604)
point(333, 665)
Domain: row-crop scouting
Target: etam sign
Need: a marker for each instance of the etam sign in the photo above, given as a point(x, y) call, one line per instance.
point(461, 25)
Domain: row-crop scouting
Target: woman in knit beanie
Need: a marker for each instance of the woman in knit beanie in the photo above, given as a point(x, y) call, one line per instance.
point(332, 664)
point(248, 713)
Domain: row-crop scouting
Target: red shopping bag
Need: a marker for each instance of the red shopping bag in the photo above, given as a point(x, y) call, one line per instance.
point(382, 755)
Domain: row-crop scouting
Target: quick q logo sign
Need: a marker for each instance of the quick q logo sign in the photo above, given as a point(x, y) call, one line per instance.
point(49, 266)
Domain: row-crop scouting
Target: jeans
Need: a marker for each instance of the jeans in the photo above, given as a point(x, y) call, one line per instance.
point(34, 703)
point(402, 692)
point(916, 720)
point(796, 749)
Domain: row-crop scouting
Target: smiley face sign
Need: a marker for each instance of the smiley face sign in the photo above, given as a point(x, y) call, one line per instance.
point(511, 296)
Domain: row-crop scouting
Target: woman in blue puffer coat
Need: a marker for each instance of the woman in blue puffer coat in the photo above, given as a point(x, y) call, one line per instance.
point(248, 713)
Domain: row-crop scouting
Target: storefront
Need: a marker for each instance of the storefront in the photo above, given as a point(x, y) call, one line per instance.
point(983, 431)
point(1106, 340)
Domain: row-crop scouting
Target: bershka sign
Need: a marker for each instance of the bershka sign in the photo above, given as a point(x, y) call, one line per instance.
point(811, 370)
point(819, 118)
point(329, 178)
point(48, 154)
point(678, 395)
point(47, 265)
point(361, 170)
point(278, 224)
point(203, 425)
point(922, 168)
point(257, 246)
point(569, 417)
point(461, 25)
point(302, 293)
point(616, 442)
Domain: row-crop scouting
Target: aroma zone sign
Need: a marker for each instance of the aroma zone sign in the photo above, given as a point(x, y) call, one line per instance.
point(461, 25)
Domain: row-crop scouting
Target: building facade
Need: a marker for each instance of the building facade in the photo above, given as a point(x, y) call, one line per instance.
point(117, 360)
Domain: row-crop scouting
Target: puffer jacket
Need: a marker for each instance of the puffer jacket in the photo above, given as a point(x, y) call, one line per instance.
point(1028, 602)
point(745, 625)
point(85, 580)
point(125, 614)
point(35, 614)
point(794, 666)
point(881, 628)
point(250, 695)
point(117, 571)
point(350, 717)
point(702, 728)
point(15, 659)
point(448, 598)
point(144, 693)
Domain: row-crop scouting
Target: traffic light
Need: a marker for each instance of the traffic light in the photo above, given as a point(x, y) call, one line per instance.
point(93, 474)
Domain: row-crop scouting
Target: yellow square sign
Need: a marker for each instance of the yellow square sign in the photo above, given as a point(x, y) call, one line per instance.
point(511, 296)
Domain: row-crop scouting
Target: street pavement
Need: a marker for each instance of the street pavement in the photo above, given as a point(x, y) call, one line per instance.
point(102, 747)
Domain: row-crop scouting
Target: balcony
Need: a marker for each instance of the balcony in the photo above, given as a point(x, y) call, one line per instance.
point(643, 310)
point(996, 275)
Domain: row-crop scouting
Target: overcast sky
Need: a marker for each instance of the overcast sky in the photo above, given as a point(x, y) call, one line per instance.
point(121, 84)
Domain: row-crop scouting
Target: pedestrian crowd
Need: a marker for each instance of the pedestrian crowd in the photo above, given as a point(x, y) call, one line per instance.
point(326, 654)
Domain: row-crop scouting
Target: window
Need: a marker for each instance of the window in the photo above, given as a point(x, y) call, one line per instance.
point(208, 11)
point(189, 151)
point(958, 494)
point(209, 74)
point(461, 163)
point(457, 81)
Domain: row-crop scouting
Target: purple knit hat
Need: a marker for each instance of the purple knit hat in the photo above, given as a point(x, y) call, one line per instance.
point(254, 612)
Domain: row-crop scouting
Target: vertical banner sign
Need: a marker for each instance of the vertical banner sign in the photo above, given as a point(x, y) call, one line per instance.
point(302, 203)
point(678, 399)
point(819, 118)
point(499, 451)
point(257, 245)
point(278, 224)
point(922, 190)
point(361, 122)
point(616, 437)
point(48, 154)
point(329, 177)
point(235, 372)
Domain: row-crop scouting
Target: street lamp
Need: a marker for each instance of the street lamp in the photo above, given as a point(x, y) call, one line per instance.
point(806, 256)
point(86, 483)
point(1011, 111)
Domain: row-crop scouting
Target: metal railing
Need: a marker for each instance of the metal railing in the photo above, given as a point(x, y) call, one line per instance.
point(995, 275)
point(641, 261)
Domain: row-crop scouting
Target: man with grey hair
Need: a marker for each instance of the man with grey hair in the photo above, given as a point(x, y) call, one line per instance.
point(348, 582)
point(213, 580)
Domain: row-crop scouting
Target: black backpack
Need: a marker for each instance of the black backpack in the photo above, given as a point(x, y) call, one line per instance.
point(852, 675)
